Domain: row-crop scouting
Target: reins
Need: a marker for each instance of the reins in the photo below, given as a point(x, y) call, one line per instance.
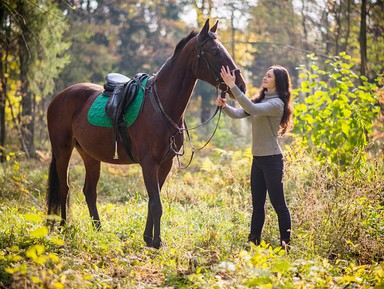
point(156, 103)
point(218, 110)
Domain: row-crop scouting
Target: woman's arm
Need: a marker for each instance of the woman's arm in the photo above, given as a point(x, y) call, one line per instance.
point(229, 110)
point(270, 108)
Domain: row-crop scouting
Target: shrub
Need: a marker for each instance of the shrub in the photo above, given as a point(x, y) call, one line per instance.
point(335, 112)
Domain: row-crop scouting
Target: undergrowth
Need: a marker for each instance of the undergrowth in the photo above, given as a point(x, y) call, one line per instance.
point(337, 237)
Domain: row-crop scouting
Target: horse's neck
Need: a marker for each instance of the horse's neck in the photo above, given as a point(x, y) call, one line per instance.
point(175, 86)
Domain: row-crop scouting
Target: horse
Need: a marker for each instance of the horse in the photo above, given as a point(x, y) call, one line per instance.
point(156, 136)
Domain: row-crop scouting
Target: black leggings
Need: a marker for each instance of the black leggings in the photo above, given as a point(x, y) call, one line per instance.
point(266, 175)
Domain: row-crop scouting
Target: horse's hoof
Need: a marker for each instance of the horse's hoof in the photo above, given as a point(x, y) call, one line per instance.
point(157, 243)
point(62, 223)
point(148, 240)
point(96, 225)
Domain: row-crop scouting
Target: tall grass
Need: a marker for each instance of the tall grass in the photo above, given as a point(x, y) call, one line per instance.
point(338, 228)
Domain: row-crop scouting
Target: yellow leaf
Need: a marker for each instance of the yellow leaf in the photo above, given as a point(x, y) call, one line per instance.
point(10, 270)
point(55, 259)
point(40, 249)
point(16, 166)
point(14, 249)
point(58, 285)
point(57, 241)
point(15, 258)
point(31, 253)
point(39, 232)
point(35, 251)
point(42, 260)
point(34, 218)
point(35, 279)
point(23, 268)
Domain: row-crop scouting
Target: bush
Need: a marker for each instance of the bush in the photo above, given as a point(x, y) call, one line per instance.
point(335, 112)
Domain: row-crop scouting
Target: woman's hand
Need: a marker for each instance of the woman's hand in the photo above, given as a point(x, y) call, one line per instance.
point(221, 102)
point(227, 76)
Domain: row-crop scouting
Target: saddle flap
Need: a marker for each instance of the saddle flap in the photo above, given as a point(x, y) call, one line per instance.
point(115, 104)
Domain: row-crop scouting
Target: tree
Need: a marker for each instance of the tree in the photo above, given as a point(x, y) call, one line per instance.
point(330, 28)
point(279, 37)
point(30, 49)
point(120, 36)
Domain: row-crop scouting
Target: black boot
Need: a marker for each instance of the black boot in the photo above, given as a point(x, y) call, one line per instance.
point(254, 239)
point(286, 245)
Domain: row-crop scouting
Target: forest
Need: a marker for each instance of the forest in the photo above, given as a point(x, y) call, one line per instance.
point(334, 162)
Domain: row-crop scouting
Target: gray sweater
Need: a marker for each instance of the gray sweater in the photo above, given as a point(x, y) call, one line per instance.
point(265, 117)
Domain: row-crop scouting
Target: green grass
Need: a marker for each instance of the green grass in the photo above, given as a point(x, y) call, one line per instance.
point(338, 228)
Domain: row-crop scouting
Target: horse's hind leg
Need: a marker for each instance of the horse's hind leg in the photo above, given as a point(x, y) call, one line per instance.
point(92, 176)
point(58, 180)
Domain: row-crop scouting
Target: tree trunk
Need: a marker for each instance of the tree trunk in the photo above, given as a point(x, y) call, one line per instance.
point(26, 116)
point(348, 21)
point(3, 82)
point(338, 18)
point(363, 37)
point(3, 91)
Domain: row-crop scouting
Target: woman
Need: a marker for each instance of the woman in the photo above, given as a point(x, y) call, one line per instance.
point(271, 115)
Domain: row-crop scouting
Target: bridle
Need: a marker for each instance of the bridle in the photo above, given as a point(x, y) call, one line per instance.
point(211, 66)
point(156, 102)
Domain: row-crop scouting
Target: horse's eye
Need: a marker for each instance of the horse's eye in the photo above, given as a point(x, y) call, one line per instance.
point(215, 51)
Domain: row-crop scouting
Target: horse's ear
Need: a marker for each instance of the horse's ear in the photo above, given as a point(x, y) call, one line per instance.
point(204, 32)
point(214, 27)
point(205, 29)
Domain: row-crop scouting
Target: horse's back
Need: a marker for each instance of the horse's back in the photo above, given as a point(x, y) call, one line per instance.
point(72, 97)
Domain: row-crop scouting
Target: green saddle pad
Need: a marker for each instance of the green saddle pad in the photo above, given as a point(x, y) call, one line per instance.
point(97, 116)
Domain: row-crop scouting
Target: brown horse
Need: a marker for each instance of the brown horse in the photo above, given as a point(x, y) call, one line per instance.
point(156, 136)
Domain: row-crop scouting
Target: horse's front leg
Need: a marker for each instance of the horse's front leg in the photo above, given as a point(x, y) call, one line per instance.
point(148, 232)
point(154, 178)
point(155, 209)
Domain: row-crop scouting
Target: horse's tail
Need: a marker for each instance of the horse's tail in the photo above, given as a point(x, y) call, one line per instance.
point(53, 197)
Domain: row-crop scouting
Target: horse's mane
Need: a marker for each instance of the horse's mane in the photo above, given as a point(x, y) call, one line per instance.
point(181, 45)
point(183, 42)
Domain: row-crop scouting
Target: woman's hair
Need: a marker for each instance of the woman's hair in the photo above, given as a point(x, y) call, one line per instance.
point(284, 91)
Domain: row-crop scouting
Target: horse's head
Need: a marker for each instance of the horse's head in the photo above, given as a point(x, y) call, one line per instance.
point(211, 56)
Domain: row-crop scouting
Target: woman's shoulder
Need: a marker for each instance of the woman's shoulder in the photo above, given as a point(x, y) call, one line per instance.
point(275, 100)
point(276, 104)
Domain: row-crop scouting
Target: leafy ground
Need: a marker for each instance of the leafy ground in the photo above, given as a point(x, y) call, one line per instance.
point(338, 228)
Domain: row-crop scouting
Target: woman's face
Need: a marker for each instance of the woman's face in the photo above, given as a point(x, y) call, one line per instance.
point(269, 81)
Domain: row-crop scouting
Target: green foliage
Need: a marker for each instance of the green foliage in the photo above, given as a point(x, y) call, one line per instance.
point(335, 111)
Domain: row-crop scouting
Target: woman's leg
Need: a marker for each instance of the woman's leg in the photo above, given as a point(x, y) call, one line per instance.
point(273, 173)
point(259, 194)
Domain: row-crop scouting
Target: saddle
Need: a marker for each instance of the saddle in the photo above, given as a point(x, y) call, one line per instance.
point(121, 91)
